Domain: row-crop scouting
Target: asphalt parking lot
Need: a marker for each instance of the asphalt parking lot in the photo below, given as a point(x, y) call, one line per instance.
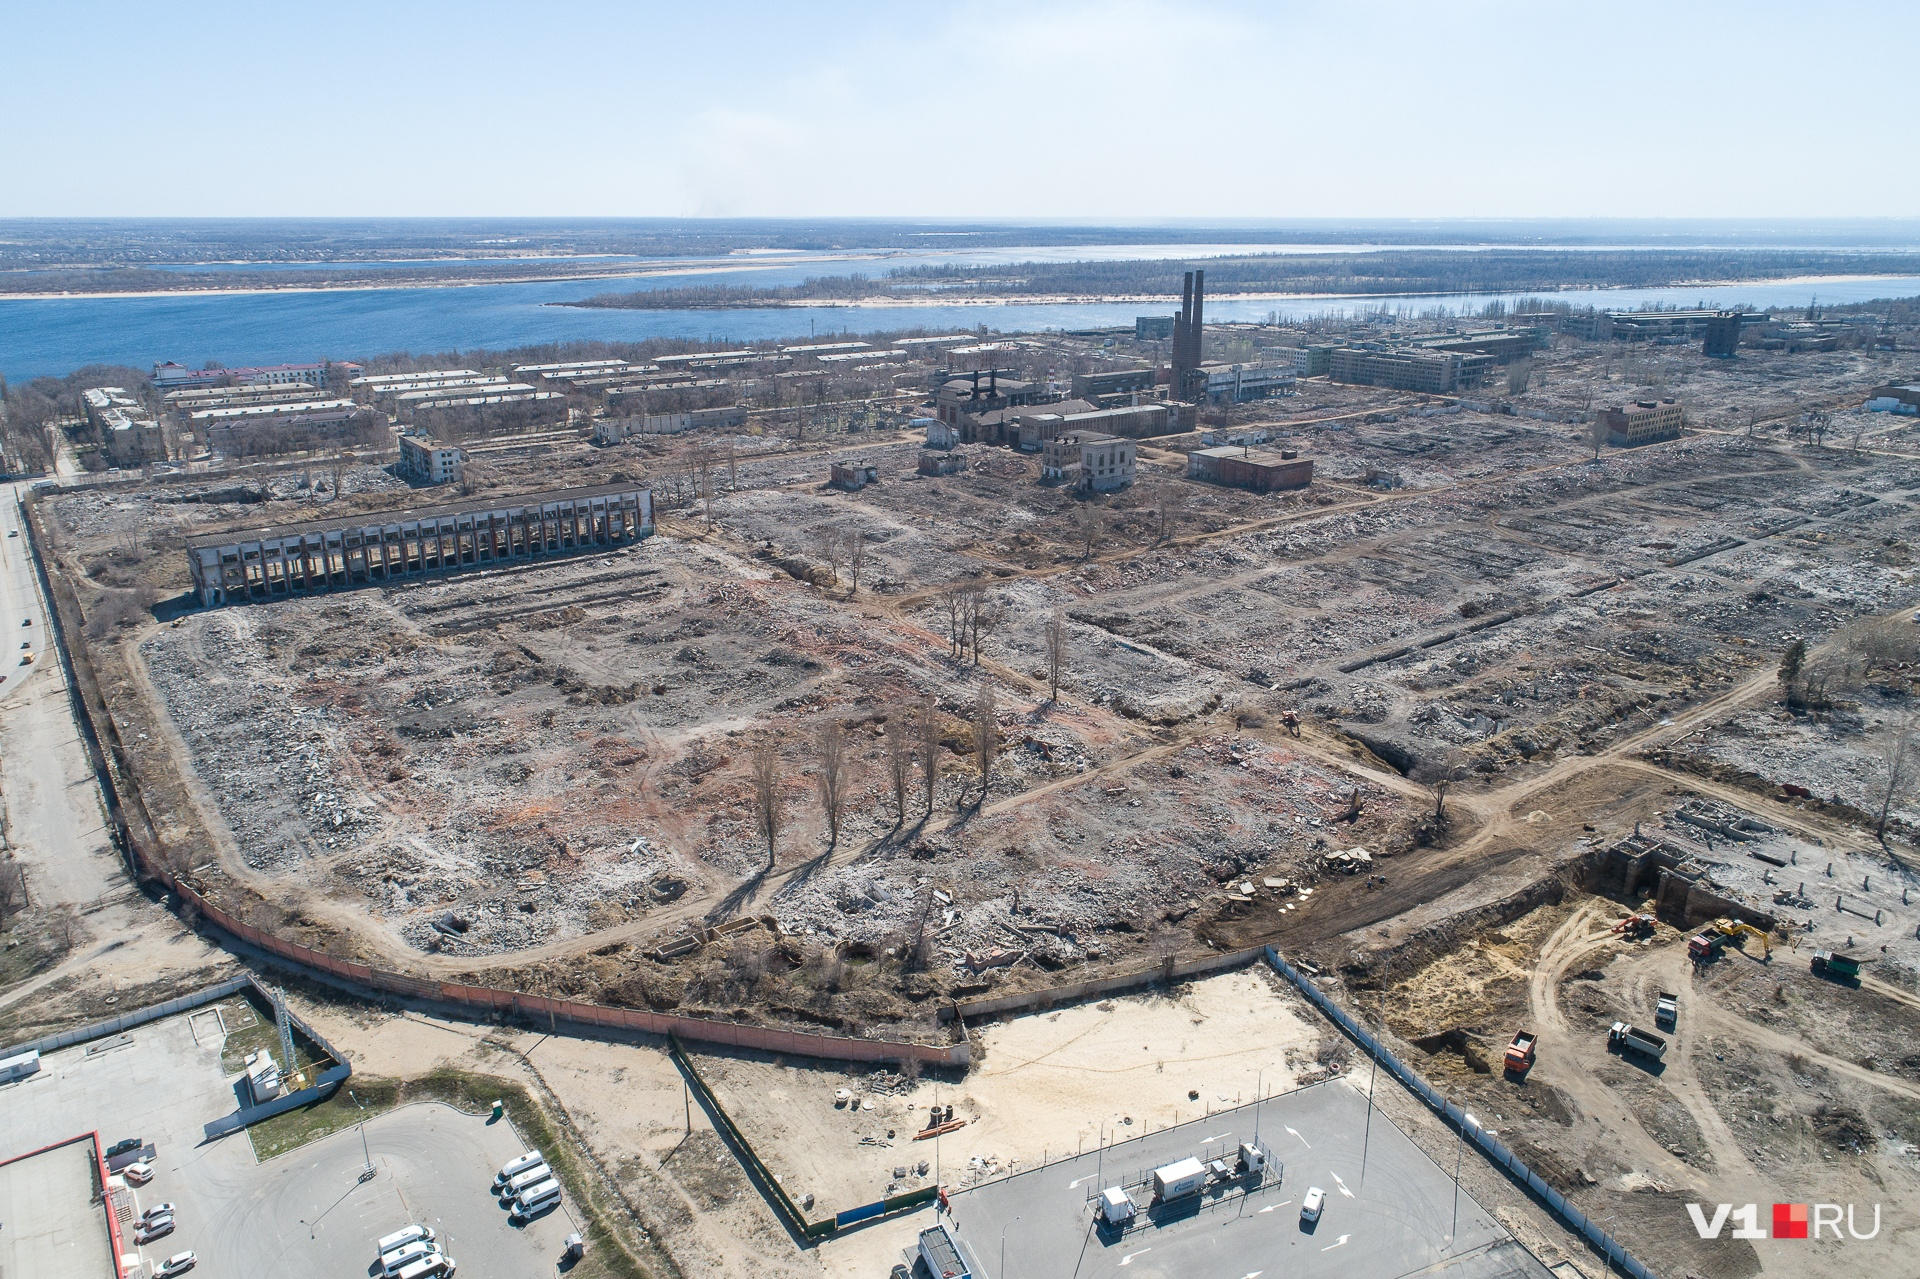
point(1394, 1217)
point(304, 1215)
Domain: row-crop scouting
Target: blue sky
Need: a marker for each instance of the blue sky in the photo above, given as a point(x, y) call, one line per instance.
point(981, 109)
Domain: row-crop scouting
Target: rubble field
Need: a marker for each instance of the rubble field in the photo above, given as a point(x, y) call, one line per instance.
point(540, 774)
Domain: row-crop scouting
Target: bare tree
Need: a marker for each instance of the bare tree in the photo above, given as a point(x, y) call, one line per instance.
point(828, 547)
point(1089, 522)
point(855, 541)
point(764, 769)
point(1056, 652)
point(1170, 505)
point(898, 741)
point(1438, 775)
point(65, 925)
point(1597, 433)
point(1896, 766)
point(928, 724)
point(831, 743)
point(985, 617)
point(986, 735)
point(13, 890)
point(703, 472)
point(954, 597)
point(1519, 373)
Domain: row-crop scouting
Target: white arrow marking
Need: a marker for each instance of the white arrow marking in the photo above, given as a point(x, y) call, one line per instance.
point(1075, 1185)
point(1209, 1141)
point(1253, 1274)
point(1296, 1132)
point(1341, 1184)
point(1336, 1243)
point(1271, 1207)
point(1128, 1259)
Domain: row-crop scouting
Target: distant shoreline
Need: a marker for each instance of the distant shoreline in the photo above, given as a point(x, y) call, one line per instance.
point(452, 282)
point(888, 303)
point(1151, 299)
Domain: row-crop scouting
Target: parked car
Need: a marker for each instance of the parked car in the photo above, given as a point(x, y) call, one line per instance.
point(1313, 1204)
point(131, 1143)
point(138, 1174)
point(26, 621)
point(158, 1210)
point(178, 1264)
point(158, 1228)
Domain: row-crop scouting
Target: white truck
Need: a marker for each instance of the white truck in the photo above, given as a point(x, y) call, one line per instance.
point(1631, 1039)
point(1116, 1208)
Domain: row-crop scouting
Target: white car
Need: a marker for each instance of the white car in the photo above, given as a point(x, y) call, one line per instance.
point(178, 1264)
point(138, 1174)
point(158, 1210)
point(149, 1231)
point(1311, 1206)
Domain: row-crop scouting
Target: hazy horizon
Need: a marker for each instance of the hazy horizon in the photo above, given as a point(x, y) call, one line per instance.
point(1222, 111)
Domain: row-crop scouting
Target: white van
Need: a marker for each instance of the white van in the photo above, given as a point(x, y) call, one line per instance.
point(536, 1199)
point(407, 1236)
point(515, 1167)
point(392, 1263)
point(428, 1267)
point(531, 1177)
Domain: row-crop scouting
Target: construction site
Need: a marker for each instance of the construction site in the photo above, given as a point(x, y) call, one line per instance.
point(1492, 726)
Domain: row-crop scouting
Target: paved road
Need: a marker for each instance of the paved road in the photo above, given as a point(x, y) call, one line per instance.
point(1394, 1218)
point(55, 820)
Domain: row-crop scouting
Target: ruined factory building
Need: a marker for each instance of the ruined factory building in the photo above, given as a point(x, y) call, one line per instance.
point(1261, 470)
point(298, 559)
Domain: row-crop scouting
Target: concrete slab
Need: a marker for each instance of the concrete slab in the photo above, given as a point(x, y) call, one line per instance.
point(1389, 1208)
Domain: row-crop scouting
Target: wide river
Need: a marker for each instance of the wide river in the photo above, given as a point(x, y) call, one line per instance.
point(40, 336)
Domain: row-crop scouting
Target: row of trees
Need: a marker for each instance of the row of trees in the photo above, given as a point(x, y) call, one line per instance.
point(913, 740)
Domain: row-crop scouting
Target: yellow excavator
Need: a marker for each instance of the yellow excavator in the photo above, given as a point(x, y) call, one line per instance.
point(1711, 940)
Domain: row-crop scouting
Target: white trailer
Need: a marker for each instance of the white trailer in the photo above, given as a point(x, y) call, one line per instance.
point(1116, 1209)
point(1178, 1180)
point(19, 1067)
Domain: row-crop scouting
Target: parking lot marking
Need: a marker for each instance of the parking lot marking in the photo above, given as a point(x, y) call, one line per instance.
point(1271, 1207)
point(1302, 1140)
point(1209, 1141)
point(1128, 1259)
point(1341, 1184)
point(1336, 1243)
point(1076, 1183)
point(1253, 1274)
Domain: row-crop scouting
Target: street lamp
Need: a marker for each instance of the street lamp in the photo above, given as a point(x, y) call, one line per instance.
point(1003, 1249)
point(366, 1173)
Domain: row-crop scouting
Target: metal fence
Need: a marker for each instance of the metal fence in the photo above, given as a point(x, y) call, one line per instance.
point(1615, 1252)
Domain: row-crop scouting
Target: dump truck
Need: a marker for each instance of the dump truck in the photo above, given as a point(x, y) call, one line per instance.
point(1710, 941)
point(1832, 964)
point(1631, 1039)
point(1520, 1052)
point(1666, 1009)
point(1178, 1180)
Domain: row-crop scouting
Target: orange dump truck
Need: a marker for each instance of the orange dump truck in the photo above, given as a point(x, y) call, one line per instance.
point(1520, 1052)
